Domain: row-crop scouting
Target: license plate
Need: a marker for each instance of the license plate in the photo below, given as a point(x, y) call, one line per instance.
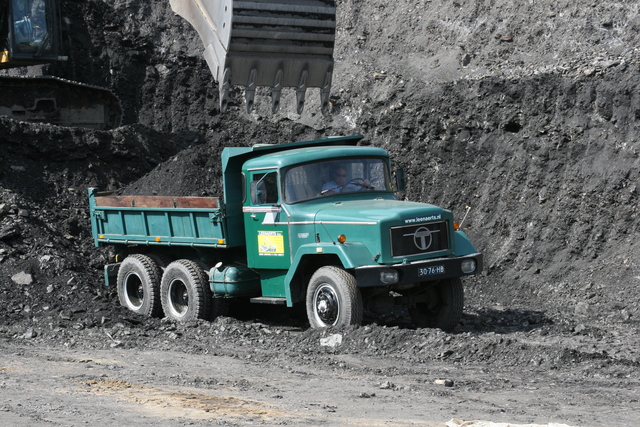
point(429, 271)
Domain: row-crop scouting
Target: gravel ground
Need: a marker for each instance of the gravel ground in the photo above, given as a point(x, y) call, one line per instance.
point(527, 114)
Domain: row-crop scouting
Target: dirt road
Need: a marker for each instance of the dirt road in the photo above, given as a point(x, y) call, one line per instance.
point(299, 378)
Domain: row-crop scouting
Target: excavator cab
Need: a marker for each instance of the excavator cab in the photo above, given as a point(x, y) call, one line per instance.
point(29, 32)
point(272, 43)
point(30, 35)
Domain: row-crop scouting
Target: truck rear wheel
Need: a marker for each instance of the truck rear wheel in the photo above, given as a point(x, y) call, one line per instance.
point(138, 285)
point(161, 260)
point(333, 299)
point(443, 308)
point(185, 291)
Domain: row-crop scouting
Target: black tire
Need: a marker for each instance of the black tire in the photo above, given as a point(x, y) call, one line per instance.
point(161, 260)
point(444, 307)
point(333, 299)
point(138, 285)
point(185, 291)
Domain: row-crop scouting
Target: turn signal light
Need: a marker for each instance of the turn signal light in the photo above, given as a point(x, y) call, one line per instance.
point(456, 225)
point(342, 238)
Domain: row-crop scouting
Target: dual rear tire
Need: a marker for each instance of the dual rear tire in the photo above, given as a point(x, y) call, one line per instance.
point(180, 289)
point(186, 295)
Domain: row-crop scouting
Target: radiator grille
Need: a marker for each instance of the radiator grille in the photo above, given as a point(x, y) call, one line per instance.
point(419, 239)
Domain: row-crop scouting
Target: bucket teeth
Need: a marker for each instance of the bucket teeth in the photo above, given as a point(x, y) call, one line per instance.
point(325, 91)
point(301, 91)
point(269, 43)
point(250, 91)
point(276, 90)
point(225, 86)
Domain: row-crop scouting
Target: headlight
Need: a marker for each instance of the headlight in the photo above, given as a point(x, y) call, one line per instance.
point(389, 277)
point(468, 266)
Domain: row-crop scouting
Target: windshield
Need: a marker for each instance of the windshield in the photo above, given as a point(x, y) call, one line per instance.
point(31, 33)
point(328, 178)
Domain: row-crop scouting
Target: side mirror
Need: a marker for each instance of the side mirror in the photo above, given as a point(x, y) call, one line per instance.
point(401, 182)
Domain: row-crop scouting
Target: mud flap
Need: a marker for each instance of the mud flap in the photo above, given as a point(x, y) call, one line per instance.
point(111, 274)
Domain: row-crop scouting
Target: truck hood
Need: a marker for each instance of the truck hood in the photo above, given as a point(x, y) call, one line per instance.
point(387, 231)
point(390, 230)
point(391, 212)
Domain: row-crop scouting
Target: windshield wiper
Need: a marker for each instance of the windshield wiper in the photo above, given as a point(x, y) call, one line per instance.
point(330, 189)
point(360, 184)
point(368, 187)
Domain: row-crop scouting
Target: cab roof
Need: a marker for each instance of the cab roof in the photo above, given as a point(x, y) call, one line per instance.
point(234, 157)
point(310, 154)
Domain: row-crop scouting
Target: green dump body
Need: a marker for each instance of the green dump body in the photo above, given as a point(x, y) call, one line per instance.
point(156, 220)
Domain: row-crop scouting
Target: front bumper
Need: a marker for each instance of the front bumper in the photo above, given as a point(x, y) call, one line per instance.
point(417, 271)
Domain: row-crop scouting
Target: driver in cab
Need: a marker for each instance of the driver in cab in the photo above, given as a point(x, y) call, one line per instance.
point(341, 185)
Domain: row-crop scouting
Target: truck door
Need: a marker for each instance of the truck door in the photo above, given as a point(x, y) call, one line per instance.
point(266, 228)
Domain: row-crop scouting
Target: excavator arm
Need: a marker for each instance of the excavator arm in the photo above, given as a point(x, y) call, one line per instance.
point(272, 43)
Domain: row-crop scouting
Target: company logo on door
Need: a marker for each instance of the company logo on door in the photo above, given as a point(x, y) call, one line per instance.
point(270, 243)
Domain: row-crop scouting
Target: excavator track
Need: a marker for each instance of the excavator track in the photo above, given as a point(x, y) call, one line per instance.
point(53, 100)
point(272, 43)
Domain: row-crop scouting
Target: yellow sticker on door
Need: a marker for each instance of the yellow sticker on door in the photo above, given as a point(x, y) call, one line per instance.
point(270, 243)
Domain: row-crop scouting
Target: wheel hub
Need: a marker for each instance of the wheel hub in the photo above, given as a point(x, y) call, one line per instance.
point(323, 307)
point(134, 291)
point(179, 297)
point(326, 305)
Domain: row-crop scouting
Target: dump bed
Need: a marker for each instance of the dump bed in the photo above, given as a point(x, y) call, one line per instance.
point(157, 220)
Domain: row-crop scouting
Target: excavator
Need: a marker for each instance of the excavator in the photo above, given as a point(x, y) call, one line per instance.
point(249, 43)
point(30, 35)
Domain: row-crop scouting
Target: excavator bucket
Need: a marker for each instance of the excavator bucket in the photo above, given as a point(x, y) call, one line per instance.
point(274, 43)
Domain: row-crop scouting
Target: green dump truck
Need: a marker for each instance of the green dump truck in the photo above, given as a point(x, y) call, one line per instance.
point(313, 221)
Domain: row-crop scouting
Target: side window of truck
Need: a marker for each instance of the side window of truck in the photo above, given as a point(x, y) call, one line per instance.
point(264, 188)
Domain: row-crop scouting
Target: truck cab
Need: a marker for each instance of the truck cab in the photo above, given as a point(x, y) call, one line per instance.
point(332, 210)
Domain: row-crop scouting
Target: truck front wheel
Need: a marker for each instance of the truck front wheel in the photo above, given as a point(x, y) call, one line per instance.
point(185, 291)
point(138, 285)
point(333, 299)
point(443, 308)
